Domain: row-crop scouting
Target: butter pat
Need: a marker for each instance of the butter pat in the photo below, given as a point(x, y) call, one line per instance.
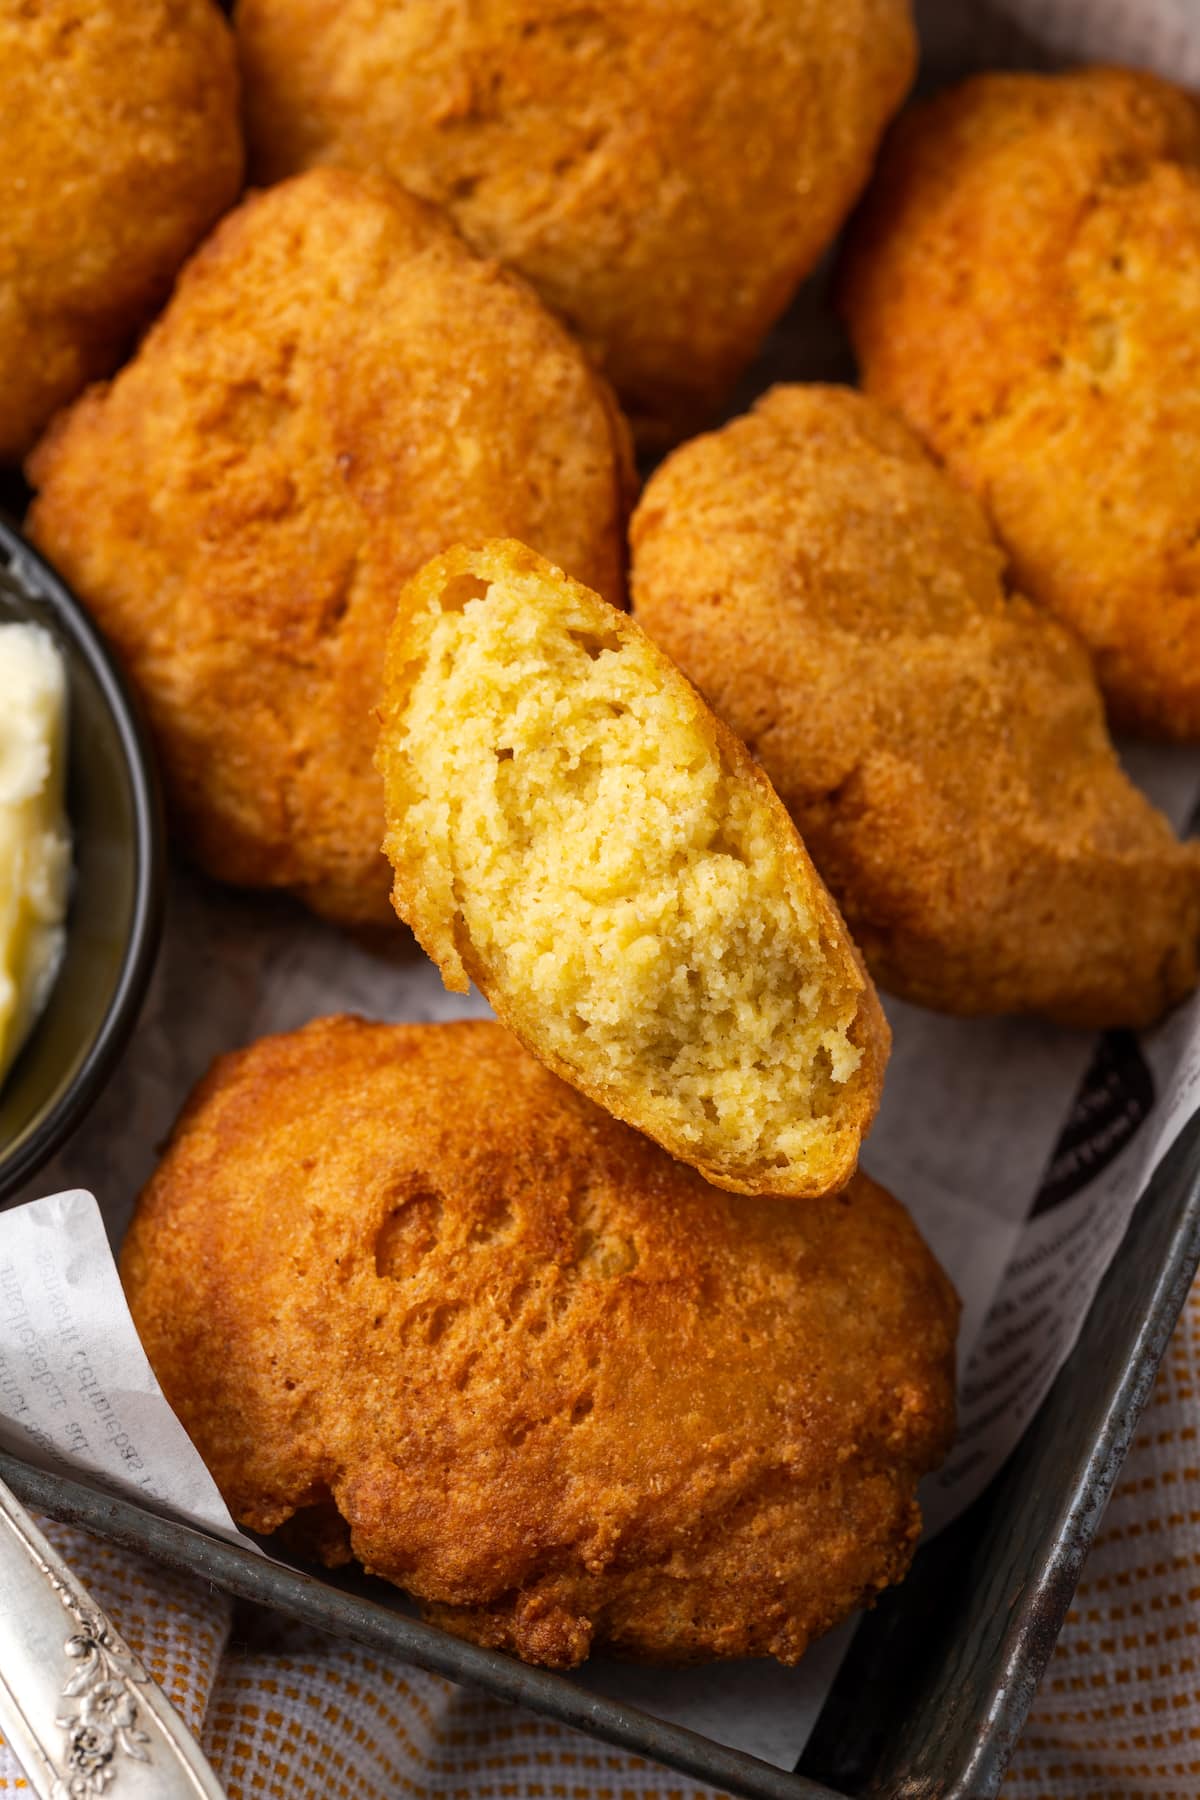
point(35, 843)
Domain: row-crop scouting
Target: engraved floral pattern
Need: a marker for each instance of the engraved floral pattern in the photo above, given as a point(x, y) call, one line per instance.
point(105, 1726)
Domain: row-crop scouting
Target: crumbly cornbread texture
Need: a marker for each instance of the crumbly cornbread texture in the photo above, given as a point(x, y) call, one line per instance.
point(420, 1303)
point(572, 828)
point(664, 174)
point(939, 741)
point(120, 143)
point(339, 389)
point(1025, 287)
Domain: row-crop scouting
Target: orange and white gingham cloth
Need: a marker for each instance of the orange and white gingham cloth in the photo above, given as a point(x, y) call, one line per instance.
point(287, 1714)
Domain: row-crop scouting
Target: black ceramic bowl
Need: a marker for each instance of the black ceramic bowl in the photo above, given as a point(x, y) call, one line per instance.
point(115, 911)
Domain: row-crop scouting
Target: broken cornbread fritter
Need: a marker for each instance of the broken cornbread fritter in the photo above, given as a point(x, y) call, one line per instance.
point(120, 144)
point(422, 1304)
point(572, 829)
point(338, 389)
point(1024, 286)
point(663, 174)
point(939, 742)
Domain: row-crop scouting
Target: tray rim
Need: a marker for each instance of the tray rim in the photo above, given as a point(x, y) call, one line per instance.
point(1162, 1271)
point(313, 1601)
point(1041, 1612)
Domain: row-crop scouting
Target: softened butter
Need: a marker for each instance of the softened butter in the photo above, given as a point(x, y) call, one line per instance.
point(35, 844)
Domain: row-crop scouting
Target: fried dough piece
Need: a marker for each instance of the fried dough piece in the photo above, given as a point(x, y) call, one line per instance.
point(572, 829)
point(120, 144)
point(339, 389)
point(414, 1295)
point(940, 744)
point(663, 174)
point(1025, 288)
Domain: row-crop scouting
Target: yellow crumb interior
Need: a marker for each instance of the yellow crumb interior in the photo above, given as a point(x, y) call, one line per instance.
point(622, 887)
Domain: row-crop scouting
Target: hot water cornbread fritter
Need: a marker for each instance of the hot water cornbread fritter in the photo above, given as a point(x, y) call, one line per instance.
point(1024, 286)
point(572, 828)
point(939, 741)
point(664, 174)
point(415, 1295)
point(120, 144)
point(338, 389)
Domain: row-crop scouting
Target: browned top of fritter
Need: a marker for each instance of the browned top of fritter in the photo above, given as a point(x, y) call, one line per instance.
point(557, 1386)
point(119, 145)
point(940, 742)
point(338, 390)
point(1025, 286)
point(663, 173)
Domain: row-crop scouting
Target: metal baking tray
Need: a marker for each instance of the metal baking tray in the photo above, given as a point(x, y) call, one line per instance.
point(940, 1676)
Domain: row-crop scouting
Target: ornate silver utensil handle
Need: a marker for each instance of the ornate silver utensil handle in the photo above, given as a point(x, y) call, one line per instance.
point(80, 1713)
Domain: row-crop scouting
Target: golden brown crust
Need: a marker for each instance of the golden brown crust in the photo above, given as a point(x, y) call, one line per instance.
point(940, 744)
point(420, 897)
point(663, 174)
point(339, 388)
point(557, 1387)
point(1024, 285)
point(119, 146)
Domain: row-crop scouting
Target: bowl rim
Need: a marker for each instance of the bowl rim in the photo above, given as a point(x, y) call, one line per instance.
point(30, 570)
